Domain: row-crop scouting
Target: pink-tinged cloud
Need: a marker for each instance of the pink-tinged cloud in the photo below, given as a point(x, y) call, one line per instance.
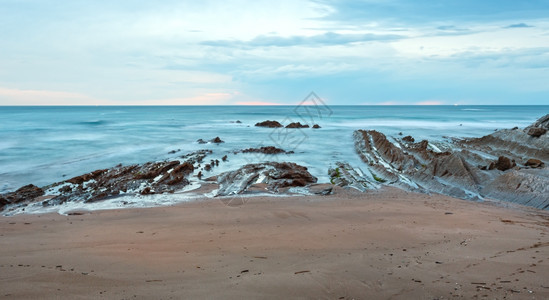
point(202, 99)
point(256, 103)
point(432, 102)
point(44, 97)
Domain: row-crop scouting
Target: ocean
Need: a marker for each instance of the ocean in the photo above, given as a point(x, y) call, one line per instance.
point(43, 145)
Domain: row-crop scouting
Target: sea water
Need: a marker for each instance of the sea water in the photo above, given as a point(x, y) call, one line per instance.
point(43, 145)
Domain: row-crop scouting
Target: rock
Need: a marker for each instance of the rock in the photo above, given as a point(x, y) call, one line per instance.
point(23, 194)
point(534, 163)
point(151, 177)
point(238, 122)
point(265, 150)
point(504, 163)
point(274, 175)
point(217, 140)
point(542, 122)
point(408, 139)
point(321, 189)
point(316, 126)
point(297, 125)
point(270, 124)
point(224, 158)
point(536, 131)
point(344, 175)
point(146, 191)
point(201, 141)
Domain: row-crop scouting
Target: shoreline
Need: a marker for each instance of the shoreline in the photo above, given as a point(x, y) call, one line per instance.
point(387, 243)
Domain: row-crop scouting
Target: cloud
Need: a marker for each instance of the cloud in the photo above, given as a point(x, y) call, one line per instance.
point(519, 25)
point(328, 38)
point(45, 97)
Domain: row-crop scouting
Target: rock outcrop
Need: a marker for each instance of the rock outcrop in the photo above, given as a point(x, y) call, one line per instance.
point(273, 175)
point(25, 193)
point(144, 179)
point(297, 125)
point(269, 124)
point(476, 168)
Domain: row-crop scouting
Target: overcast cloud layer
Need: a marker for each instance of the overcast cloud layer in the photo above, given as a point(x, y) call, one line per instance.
point(273, 52)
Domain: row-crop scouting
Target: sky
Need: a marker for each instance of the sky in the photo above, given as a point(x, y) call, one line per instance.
point(370, 52)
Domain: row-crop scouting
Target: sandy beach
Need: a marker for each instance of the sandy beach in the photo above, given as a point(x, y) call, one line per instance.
point(385, 244)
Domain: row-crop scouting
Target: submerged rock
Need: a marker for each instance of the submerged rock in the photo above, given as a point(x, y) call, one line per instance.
point(265, 150)
point(316, 126)
point(270, 124)
point(273, 174)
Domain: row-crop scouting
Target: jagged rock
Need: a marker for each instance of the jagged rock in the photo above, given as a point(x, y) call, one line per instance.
point(23, 194)
point(408, 139)
point(151, 177)
point(270, 124)
point(265, 150)
point(542, 122)
point(344, 175)
point(201, 141)
point(504, 163)
point(417, 166)
point(274, 175)
point(297, 125)
point(534, 163)
point(316, 126)
point(536, 132)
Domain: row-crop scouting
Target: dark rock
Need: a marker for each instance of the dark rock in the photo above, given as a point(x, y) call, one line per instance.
point(408, 139)
point(534, 163)
point(217, 140)
point(224, 158)
point(270, 124)
point(207, 167)
point(274, 175)
point(297, 125)
point(146, 191)
point(265, 150)
point(504, 163)
point(316, 126)
point(23, 194)
point(201, 141)
point(536, 131)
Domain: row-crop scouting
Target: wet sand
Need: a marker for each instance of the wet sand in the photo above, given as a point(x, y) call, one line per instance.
point(386, 244)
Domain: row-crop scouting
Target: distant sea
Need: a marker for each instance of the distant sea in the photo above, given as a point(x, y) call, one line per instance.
point(43, 145)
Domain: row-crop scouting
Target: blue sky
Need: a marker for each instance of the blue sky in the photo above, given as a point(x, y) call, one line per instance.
point(273, 52)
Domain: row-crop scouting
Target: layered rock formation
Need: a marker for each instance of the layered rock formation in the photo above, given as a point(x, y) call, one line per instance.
point(505, 165)
point(274, 176)
point(145, 179)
